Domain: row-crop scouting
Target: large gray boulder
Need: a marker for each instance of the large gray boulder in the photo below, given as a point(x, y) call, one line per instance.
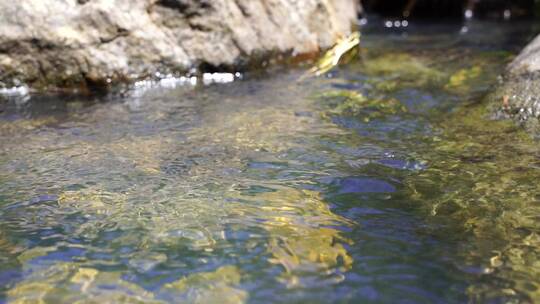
point(81, 43)
point(518, 95)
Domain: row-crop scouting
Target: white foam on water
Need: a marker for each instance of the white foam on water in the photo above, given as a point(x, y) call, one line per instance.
point(15, 91)
point(209, 78)
point(170, 81)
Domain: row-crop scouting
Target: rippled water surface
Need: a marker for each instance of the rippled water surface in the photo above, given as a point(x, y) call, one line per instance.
point(383, 182)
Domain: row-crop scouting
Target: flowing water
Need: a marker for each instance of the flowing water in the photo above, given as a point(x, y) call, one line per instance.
point(385, 181)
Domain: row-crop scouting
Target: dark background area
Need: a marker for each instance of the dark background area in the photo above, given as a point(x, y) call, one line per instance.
point(453, 9)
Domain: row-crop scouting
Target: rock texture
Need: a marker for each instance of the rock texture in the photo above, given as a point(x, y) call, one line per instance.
point(73, 43)
point(518, 96)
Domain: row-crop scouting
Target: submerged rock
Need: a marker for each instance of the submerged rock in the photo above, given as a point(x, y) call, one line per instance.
point(518, 96)
point(81, 43)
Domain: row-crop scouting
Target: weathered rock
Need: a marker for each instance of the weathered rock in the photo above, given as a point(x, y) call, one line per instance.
point(518, 95)
point(74, 43)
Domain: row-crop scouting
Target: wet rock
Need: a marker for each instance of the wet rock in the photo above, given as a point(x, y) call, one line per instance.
point(518, 95)
point(84, 43)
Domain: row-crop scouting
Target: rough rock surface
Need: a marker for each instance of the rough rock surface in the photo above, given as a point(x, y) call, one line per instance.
point(73, 43)
point(518, 96)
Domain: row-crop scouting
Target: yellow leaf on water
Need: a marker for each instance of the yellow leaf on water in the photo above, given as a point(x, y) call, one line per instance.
point(331, 58)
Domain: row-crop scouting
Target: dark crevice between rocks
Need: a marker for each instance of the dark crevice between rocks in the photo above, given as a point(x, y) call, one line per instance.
point(22, 46)
point(243, 10)
point(199, 27)
point(268, 13)
point(188, 8)
point(120, 32)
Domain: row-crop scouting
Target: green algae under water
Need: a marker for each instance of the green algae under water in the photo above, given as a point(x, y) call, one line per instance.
point(384, 182)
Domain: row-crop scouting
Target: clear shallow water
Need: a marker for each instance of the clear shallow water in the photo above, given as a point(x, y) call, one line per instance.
point(383, 182)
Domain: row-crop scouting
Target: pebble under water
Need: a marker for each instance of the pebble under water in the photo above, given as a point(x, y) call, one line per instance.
point(383, 182)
